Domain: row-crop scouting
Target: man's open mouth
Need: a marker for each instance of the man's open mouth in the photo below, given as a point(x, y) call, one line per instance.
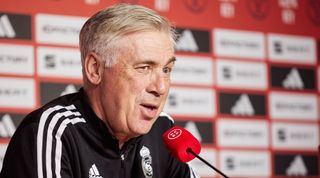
point(150, 107)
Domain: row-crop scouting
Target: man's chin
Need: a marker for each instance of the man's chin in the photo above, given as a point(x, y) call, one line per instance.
point(144, 127)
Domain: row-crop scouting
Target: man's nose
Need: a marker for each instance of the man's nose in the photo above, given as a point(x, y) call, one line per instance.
point(158, 83)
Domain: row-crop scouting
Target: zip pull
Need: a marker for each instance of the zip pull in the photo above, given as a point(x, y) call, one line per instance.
point(123, 167)
point(122, 160)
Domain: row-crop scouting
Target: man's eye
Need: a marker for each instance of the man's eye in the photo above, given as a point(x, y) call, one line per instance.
point(167, 70)
point(143, 68)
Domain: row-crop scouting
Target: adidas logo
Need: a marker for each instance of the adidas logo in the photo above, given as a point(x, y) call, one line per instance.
point(243, 106)
point(69, 89)
point(6, 29)
point(191, 127)
point(93, 172)
point(186, 42)
point(297, 168)
point(7, 128)
point(293, 80)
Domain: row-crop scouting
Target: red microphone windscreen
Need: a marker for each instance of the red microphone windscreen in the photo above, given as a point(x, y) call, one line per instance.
point(178, 140)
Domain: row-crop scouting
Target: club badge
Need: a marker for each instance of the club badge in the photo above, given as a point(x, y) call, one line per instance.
point(146, 161)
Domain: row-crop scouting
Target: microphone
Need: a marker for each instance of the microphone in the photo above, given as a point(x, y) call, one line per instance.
point(184, 146)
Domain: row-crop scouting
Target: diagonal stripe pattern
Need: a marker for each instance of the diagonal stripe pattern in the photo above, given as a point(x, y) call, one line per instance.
point(52, 124)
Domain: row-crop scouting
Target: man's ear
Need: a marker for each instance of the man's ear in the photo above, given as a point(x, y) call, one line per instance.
point(93, 68)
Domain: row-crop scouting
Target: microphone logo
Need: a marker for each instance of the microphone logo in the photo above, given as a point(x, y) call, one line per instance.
point(178, 140)
point(184, 146)
point(175, 133)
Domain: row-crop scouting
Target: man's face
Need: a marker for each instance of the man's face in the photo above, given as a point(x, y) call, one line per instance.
point(134, 90)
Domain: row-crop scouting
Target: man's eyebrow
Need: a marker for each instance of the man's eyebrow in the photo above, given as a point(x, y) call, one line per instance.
point(173, 59)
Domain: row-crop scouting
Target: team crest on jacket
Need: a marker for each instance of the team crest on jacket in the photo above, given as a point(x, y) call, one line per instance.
point(146, 161)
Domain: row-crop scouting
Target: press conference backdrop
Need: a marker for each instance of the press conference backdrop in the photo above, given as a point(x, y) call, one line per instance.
point(246, 81)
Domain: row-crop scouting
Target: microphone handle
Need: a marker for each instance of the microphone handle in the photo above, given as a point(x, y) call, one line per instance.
point(206, 162)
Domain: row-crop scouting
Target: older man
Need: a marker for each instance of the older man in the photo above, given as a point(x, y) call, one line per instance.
point(113, 126)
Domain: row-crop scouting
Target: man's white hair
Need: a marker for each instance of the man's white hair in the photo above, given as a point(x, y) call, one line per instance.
point(103, 30)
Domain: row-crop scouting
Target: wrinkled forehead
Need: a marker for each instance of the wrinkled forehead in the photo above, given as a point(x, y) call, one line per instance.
point(146, 42)
point(150, 45)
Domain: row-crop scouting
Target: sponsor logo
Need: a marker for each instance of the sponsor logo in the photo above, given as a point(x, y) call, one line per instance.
point(51, 61)
point(3, 148)
point(245, 163)
point(281, 135)
point(227, 8)
point(162, 5)
point(236, 43)
point(296, 165)
point(293, 78)
point(6, 27)
point(7, 127)
point(193, 70)
point(58, 29)
point(241, 74)
point(278, 47)
point(196, 6)
point(15, 118)
point(16, 59)
point(15, 26)
point(93, 172)
point(173, 100)
point(51, 91)
point(69, 89)
point(191, 40)
point(92, 2)
point(174, 134)
point(295, 136)
point(146, 161)
point(242, 104)
point(293, 49)
point(191, 102)
point(313, 11)
point(234, 133)
point(230, 163)
point(293, 106)
point(17, 93)
point(288, 15)
point(187, 42)
point(8, 124)
point(205, 171)
point(203, 131)
point(259, 9)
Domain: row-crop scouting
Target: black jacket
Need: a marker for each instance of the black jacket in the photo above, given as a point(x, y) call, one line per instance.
point(66, 139)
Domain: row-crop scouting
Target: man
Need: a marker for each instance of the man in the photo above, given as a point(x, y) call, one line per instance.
point(113, 126)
